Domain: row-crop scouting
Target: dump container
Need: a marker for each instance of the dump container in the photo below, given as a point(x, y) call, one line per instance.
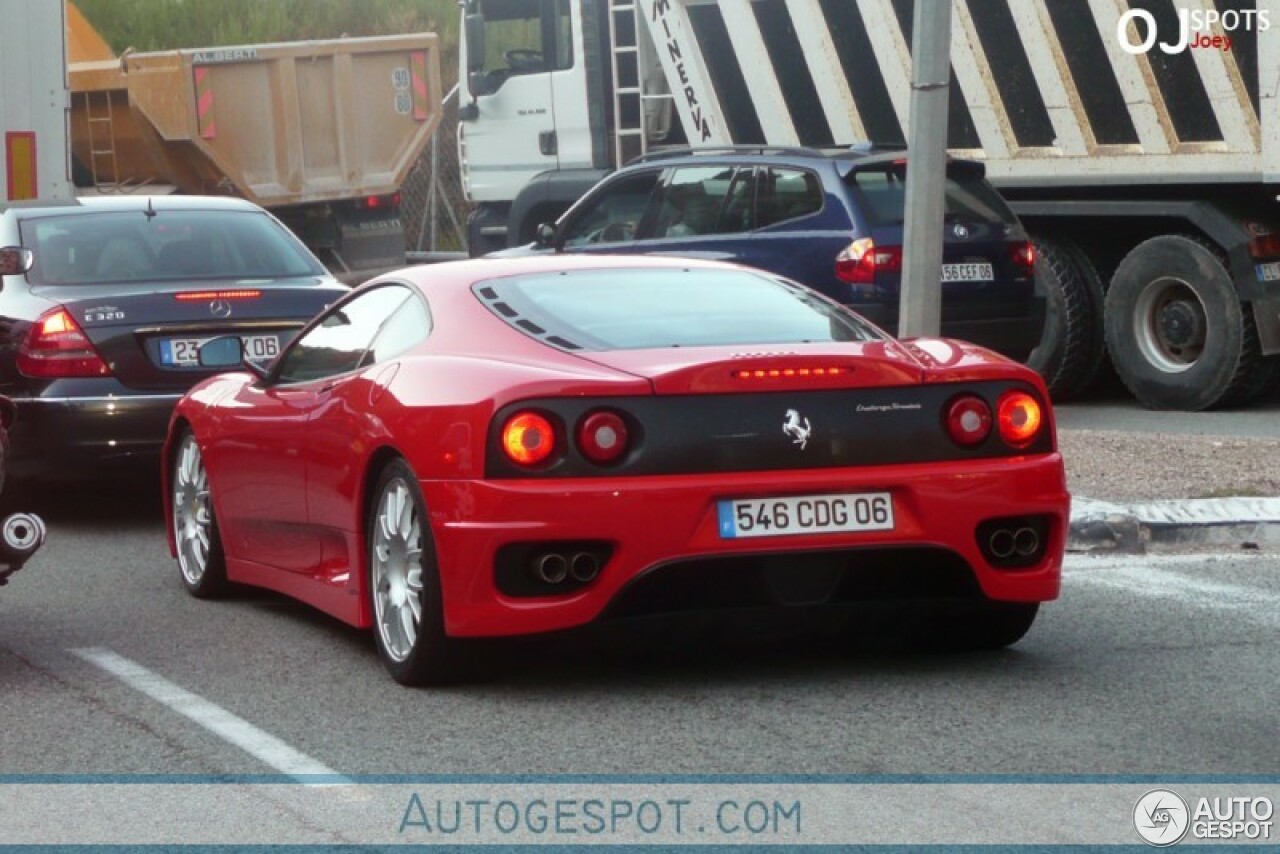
point(321, 132)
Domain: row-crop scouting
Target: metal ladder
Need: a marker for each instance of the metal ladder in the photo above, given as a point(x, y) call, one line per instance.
point(630, 139)
point(102, 145)
point(102, 141)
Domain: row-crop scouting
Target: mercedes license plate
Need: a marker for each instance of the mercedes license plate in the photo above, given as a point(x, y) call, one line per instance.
point(981, 272)
point(806, 514)
point(185, 352)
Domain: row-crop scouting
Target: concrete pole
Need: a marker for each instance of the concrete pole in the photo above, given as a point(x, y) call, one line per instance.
point(920, 308)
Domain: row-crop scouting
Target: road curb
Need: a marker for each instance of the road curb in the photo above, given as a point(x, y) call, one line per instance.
point(1116, 528)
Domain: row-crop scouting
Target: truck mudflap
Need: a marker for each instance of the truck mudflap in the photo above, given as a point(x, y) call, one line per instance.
point(351, 236)
point(369, 239)
point(1266, 315)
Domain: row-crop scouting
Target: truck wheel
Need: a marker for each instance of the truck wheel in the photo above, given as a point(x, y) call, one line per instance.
point(1073, 351)
point(1178, 335)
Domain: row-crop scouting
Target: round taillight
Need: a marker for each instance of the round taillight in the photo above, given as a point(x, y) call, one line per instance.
point(602, 437)
point(1019, 416)
point(528, 438)
point(969, 420)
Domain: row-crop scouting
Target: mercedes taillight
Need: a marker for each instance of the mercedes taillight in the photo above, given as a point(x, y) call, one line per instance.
point(57, 347)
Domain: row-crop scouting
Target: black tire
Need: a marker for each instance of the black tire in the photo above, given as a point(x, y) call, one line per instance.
point(202, 565)
point(1073, 346)
point(1262, 372)
point(428, 657)
point(1178, 336)
point(971, 626)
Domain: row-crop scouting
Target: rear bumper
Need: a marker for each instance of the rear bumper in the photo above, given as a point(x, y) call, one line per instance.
point(69, 437)
point(670, 524)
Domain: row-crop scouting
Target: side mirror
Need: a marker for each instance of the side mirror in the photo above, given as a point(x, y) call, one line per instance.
point(546, 236)
point(475, 42)
point(15, 260)
point(226, 351)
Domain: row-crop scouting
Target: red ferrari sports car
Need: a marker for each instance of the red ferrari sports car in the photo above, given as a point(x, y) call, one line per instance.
point(504, 447)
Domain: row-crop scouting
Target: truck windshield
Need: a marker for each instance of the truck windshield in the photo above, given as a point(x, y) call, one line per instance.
point(96, 247)
point(525, 37)
point(626, 309)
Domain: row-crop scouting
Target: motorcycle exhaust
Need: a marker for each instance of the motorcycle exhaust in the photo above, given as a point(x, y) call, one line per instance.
point(21, 536)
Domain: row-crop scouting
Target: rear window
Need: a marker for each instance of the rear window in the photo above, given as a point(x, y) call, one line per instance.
point(666, 307)
point(130, 246)
point(881, 194)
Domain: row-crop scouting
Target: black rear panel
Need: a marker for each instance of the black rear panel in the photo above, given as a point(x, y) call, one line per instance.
point(688, 434)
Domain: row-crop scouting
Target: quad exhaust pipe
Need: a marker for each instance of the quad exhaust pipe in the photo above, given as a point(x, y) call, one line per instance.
point(554, 568)
point(584, 567)
point(551, 568)
point(1013, 543)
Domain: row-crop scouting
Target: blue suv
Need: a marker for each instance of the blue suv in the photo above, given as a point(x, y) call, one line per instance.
point(832, 221)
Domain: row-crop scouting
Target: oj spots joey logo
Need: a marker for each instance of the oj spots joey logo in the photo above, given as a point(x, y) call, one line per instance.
point(1198, 29)
point(798, 432)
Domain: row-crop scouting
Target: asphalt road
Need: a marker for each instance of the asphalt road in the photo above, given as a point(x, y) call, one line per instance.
point(1146, 665)
point(1110, 407)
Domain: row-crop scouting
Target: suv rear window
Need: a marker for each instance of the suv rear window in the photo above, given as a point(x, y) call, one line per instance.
point(130, 246)
point(881, 194)
point(631, 309)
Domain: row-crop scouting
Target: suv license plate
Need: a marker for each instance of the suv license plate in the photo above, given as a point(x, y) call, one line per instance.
point(185, 352)
point(968, 273)
point(805, 514)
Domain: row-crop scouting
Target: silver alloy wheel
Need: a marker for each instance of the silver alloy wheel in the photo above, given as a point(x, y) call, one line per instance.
point(1170, 325)
point(192, 520)
point(396, 565)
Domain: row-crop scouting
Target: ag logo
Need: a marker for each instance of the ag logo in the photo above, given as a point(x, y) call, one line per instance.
point(1161, 818)
point(960, 230)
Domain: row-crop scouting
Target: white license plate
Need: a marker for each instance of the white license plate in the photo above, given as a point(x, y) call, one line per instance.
point(1269, 272)
point(805, 514)
point(185, 352)
point(968, 273)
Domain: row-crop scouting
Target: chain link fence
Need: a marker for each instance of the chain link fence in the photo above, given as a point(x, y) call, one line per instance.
point(432, 204)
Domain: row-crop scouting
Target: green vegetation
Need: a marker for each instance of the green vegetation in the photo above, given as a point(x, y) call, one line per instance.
point(147, 25)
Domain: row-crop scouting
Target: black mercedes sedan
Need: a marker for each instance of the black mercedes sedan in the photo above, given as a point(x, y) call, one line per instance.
point(100, 326)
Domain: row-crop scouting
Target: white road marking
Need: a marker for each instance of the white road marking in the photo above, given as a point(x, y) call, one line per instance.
point(1160, 578)
point(263, 746)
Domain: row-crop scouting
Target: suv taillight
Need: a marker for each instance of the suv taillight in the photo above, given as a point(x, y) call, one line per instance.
point(1024, 257)
point(859, 262)
point(56, 347)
